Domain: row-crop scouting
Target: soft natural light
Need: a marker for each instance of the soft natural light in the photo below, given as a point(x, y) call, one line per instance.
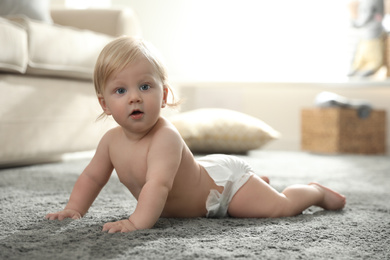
point(249, 40)
point(283, 40)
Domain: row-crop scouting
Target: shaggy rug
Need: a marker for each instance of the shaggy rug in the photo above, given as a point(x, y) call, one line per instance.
point(360, 231)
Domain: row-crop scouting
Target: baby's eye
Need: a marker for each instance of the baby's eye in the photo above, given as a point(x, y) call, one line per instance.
point(120, 91)
point(144, 87)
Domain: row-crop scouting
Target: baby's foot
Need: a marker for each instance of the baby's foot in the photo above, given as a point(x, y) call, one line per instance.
point(332, 200)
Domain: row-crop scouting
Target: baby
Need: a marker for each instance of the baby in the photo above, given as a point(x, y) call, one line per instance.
point(153, 162)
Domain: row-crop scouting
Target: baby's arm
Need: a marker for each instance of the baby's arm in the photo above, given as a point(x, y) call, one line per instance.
point(163, 161)
point(88, 185)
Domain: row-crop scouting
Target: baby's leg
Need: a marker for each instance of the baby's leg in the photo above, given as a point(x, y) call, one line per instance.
point(258, 199)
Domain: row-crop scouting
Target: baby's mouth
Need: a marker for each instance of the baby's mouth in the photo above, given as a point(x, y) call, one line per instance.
point(136, 114)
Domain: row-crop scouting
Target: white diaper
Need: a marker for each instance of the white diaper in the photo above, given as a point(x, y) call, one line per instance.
point(229, 172)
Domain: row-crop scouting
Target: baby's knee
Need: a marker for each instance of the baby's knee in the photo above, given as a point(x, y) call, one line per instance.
point(282, 209)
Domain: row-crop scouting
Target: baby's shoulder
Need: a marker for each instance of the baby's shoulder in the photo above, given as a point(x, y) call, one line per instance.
point(110, 136)
point(165, 128)
point(113, 132)
point(166, 133)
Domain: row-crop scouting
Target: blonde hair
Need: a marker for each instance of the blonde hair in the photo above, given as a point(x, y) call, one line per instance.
point(123, 51)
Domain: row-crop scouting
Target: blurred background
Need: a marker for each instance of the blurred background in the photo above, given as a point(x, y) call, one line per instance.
point(246, 40)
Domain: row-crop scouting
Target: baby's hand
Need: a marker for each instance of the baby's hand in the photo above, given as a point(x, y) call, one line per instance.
point(119, 226)
point(66, 213)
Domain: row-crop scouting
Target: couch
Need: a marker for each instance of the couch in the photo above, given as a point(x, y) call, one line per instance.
point(48, 103)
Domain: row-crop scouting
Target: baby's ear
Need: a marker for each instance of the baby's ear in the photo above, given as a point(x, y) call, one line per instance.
point(103, 104)
point(165, 96)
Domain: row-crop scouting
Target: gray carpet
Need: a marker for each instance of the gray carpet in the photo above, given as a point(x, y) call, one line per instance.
point(360, 231)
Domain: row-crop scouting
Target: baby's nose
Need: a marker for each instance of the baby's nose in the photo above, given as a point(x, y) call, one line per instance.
point(134, 98)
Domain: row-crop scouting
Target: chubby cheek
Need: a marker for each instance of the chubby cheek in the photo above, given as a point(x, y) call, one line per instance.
point(154, 107)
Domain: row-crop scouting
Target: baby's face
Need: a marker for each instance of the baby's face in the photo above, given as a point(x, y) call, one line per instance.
point(134, 96)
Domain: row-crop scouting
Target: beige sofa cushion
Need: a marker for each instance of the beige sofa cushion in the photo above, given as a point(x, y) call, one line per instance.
point(68, 50)
point(56, 50)
point(114, 22)
point(13, 45)
point(38, 48)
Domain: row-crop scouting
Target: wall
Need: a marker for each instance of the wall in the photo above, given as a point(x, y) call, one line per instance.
point(279, 104)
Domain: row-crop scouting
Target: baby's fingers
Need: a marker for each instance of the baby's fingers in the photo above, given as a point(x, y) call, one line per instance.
point(111, 227)
point(76, 216)
point(51, 216)
point(72, 215)
point(61, 215)
point(119, 226)
point(114, 227)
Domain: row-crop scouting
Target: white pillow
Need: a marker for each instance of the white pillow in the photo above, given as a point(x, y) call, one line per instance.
point(214, 130)
point(13, 43)
point(33, 9)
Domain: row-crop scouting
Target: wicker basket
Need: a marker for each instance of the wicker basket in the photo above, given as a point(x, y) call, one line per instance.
point(340, 130)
